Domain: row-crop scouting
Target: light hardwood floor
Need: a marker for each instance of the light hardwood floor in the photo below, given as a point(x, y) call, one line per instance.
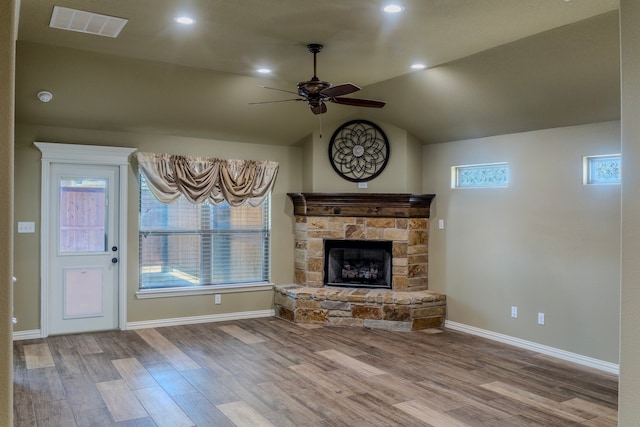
point(268, 372)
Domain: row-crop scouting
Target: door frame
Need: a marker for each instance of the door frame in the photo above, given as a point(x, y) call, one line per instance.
point(82, 155)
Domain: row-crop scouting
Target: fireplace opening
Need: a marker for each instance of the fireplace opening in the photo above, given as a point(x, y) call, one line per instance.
point(357, 263)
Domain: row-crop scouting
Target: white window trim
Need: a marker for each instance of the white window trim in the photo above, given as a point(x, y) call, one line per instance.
point(202, 290)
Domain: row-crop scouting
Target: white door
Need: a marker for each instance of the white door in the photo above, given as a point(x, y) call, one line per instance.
point(83, 248)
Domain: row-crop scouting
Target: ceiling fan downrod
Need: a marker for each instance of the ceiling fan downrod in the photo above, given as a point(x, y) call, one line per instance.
point(314, 48)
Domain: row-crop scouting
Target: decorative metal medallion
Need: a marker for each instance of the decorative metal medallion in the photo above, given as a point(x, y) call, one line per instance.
point(359, 151)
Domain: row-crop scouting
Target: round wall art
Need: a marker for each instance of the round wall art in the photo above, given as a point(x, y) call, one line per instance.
point(359, 150)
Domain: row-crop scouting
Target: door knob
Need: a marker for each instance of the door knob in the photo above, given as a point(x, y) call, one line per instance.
point(115, 248)
point(114, 260)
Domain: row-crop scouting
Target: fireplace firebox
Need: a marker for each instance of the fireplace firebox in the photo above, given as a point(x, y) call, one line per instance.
point(358, 263)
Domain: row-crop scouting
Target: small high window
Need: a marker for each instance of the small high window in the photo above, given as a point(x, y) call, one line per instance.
point(605, 169)
point(480, 176)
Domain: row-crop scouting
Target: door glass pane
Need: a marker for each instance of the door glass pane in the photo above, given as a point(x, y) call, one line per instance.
point(83, 214)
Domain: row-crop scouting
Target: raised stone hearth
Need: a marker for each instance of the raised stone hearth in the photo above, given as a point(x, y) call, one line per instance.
point(402, 220)
point(370, 308)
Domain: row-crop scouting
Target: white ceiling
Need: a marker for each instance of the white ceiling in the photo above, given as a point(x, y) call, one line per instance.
point(362, 45)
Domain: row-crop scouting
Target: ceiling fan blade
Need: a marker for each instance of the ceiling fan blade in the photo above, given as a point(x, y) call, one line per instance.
point(359, 102)
point(280, 90)
point(339, 90)
point(280, 100)
point(320, 109)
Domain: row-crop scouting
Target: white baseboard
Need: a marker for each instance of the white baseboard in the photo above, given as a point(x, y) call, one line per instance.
point(539, 348)
point(37, 333)
point(32, 334)
point(200, 319)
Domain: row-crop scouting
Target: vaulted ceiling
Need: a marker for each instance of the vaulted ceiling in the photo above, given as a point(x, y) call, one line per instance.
point(494, 66)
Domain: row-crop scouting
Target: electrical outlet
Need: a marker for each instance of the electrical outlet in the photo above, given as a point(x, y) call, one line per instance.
point(26, 227)
point(218, 299)
point(514, 312)
point(540, 318)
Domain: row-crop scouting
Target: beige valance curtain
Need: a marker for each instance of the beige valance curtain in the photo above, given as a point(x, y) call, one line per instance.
point(206, 178)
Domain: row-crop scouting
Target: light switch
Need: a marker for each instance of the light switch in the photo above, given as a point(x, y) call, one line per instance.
point(26, 227)
point(362, 185)
point(441, 224)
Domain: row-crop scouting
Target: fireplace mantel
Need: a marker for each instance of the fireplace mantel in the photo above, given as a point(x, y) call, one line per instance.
point(371, 205)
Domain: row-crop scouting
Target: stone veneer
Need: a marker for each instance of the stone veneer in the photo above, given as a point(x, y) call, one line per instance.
point(402, 219)
point(372, 308)
point(409, 247)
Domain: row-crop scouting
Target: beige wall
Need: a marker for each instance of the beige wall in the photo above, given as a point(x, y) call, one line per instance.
point(414, 165)
point(401, 175)
point(307, 163)
point(301, 168)
point(27, 246)
point(629, 410)
point(546, 243)
point(7, 71)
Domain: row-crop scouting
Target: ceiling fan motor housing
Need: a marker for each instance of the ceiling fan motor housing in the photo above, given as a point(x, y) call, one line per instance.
point(311, 91)
point(312, 87)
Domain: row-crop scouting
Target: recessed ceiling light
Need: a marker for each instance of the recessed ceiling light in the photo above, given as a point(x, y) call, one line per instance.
point(393, 8)
point(418, 66)
point(263, 70)
point(184, 20)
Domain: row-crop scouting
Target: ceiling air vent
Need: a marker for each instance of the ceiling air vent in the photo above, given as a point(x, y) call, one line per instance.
point(86, 22)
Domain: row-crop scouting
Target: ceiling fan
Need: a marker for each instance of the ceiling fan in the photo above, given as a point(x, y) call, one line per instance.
point(317, 92)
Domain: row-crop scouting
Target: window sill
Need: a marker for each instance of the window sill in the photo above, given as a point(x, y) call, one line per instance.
point(202, 290)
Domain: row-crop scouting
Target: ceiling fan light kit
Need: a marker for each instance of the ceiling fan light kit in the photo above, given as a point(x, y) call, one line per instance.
point(317, 93)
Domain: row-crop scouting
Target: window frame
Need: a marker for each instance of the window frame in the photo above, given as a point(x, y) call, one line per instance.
point(163, 292)
point(455, 175)
point(587, 162)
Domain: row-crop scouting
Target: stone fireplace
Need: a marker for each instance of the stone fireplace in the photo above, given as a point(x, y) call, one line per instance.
point(358, 225)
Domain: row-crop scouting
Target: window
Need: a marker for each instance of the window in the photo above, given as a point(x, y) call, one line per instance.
point(83, 215)
point(604, 169)
point(479, 176)
point(188, 245)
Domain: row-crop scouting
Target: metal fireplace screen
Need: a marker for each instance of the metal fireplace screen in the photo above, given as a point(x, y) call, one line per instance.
point(357, 263)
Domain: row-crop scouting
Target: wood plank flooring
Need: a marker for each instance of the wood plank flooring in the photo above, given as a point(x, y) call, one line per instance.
point(268, 372)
